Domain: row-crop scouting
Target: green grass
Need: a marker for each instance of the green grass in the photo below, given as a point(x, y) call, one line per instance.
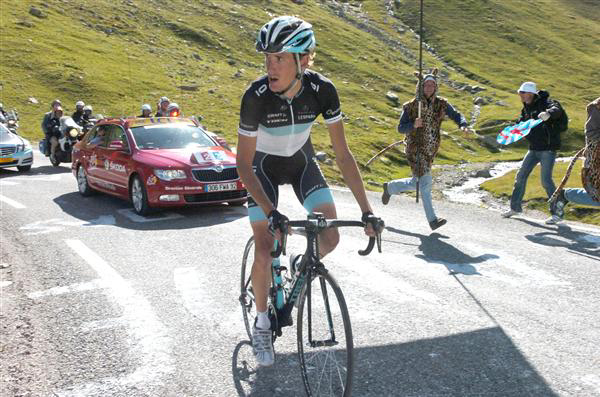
point(153, 50)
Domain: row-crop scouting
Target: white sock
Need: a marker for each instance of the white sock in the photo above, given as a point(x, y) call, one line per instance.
point(262, 320)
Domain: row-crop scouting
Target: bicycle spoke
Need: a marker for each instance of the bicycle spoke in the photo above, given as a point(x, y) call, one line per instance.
point(326, 365)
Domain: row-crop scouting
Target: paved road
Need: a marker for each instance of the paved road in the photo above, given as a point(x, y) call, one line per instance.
point(99, 302)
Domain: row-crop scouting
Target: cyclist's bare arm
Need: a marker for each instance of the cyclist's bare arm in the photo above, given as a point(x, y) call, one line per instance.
point(245, 155)
point(346, 163)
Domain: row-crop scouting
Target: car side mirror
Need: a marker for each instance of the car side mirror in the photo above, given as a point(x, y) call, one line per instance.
point(116, 145)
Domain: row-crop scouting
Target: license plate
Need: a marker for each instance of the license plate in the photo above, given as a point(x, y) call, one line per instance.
point(219, 187)
point(6, 160)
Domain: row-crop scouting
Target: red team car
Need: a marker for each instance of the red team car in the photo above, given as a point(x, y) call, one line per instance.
point(156, 162)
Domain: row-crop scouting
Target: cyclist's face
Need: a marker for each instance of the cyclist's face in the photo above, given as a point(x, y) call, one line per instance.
point(281, 69)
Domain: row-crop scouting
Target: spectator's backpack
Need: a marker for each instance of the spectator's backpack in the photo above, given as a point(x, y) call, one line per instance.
point(562, 124)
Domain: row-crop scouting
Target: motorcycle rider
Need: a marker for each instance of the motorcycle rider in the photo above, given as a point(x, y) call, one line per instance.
point(146, 111)
point(51, 129)
point(78, 114)
point(55, 103)
point(173, 110)
point(3, 114)
point(163, 104)
point(87, 113)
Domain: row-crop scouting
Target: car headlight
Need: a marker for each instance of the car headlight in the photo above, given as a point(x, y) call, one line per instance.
point(168, 175)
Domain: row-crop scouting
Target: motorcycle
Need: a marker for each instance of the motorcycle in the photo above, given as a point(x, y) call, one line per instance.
point(12, 121)
point(70, 132)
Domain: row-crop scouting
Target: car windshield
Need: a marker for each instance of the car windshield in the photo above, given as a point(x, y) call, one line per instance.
point(172, 136)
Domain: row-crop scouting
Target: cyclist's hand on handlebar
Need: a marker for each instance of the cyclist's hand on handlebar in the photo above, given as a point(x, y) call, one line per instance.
point(277, 223)
point(373, 225)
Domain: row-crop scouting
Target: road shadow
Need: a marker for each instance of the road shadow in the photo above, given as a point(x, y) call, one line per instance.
point(103, 209)
point(563, 235)
point(435, 250)
point(484, 362)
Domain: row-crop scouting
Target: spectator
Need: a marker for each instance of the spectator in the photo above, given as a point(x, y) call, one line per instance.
point(422, 143)
point(544, 141)
point(590, 173)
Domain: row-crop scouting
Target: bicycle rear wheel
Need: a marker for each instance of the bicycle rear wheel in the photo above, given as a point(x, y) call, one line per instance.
point(325, 346)
point(246, 294)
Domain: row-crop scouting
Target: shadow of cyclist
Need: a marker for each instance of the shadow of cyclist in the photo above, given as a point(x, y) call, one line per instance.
point(434, 250)
point(252, 380)
point(581, 243)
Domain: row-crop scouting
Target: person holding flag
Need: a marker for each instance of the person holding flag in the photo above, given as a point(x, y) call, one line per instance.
point(422, 143)
point(590, 173)
point(544, 141)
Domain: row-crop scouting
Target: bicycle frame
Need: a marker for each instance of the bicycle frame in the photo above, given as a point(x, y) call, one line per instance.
point(284, 304)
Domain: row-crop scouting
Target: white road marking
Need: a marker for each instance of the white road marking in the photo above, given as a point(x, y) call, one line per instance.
point(68, 289)
point(505, 262)
point(11, 202)
point(593, 381)
point(104, 324)
point(198, 300)
point(7, 183)
point(38, 177)
point(380, 282)
point(163, 216)
point(57, 225)
point(5, 283)
point(147, 334)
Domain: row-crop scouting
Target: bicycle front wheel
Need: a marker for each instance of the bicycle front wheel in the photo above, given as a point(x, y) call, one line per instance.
point(325, 346)
point(246, 294)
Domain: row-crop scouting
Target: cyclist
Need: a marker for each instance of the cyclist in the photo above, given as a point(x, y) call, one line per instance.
point(274, 148)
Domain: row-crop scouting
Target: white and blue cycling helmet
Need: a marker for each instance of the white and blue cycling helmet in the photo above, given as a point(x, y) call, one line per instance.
point(286, 34)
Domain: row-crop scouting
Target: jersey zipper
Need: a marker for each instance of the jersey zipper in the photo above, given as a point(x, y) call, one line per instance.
point(292, 116)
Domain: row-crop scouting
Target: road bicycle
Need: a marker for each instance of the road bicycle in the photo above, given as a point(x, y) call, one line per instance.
point(324, 332)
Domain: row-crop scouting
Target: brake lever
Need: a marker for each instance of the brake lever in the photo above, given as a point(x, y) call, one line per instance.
point(281, 245)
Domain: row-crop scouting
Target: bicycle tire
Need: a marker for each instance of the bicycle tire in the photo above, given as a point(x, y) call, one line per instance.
point(326, 370)
point(247, 298)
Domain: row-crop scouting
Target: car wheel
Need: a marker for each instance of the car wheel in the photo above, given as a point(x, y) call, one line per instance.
point(139, 197)
point(23, 168)
point(82, 182)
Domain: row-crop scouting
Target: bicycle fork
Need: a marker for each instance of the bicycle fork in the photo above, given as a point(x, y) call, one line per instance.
point(318, 343)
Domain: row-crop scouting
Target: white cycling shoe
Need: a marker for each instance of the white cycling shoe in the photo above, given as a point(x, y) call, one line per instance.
point(262, 344)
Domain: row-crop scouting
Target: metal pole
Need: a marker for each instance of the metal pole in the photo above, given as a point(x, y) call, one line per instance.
point(420, 94)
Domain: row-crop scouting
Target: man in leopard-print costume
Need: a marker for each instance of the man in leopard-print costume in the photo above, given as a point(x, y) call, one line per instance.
point(422, 143)
point(590, 173)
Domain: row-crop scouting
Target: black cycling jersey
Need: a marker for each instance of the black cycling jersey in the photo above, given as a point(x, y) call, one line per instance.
point(283, 126)
point(284, 152)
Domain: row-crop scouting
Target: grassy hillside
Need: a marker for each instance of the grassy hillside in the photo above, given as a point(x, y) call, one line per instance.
point(116, 55)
